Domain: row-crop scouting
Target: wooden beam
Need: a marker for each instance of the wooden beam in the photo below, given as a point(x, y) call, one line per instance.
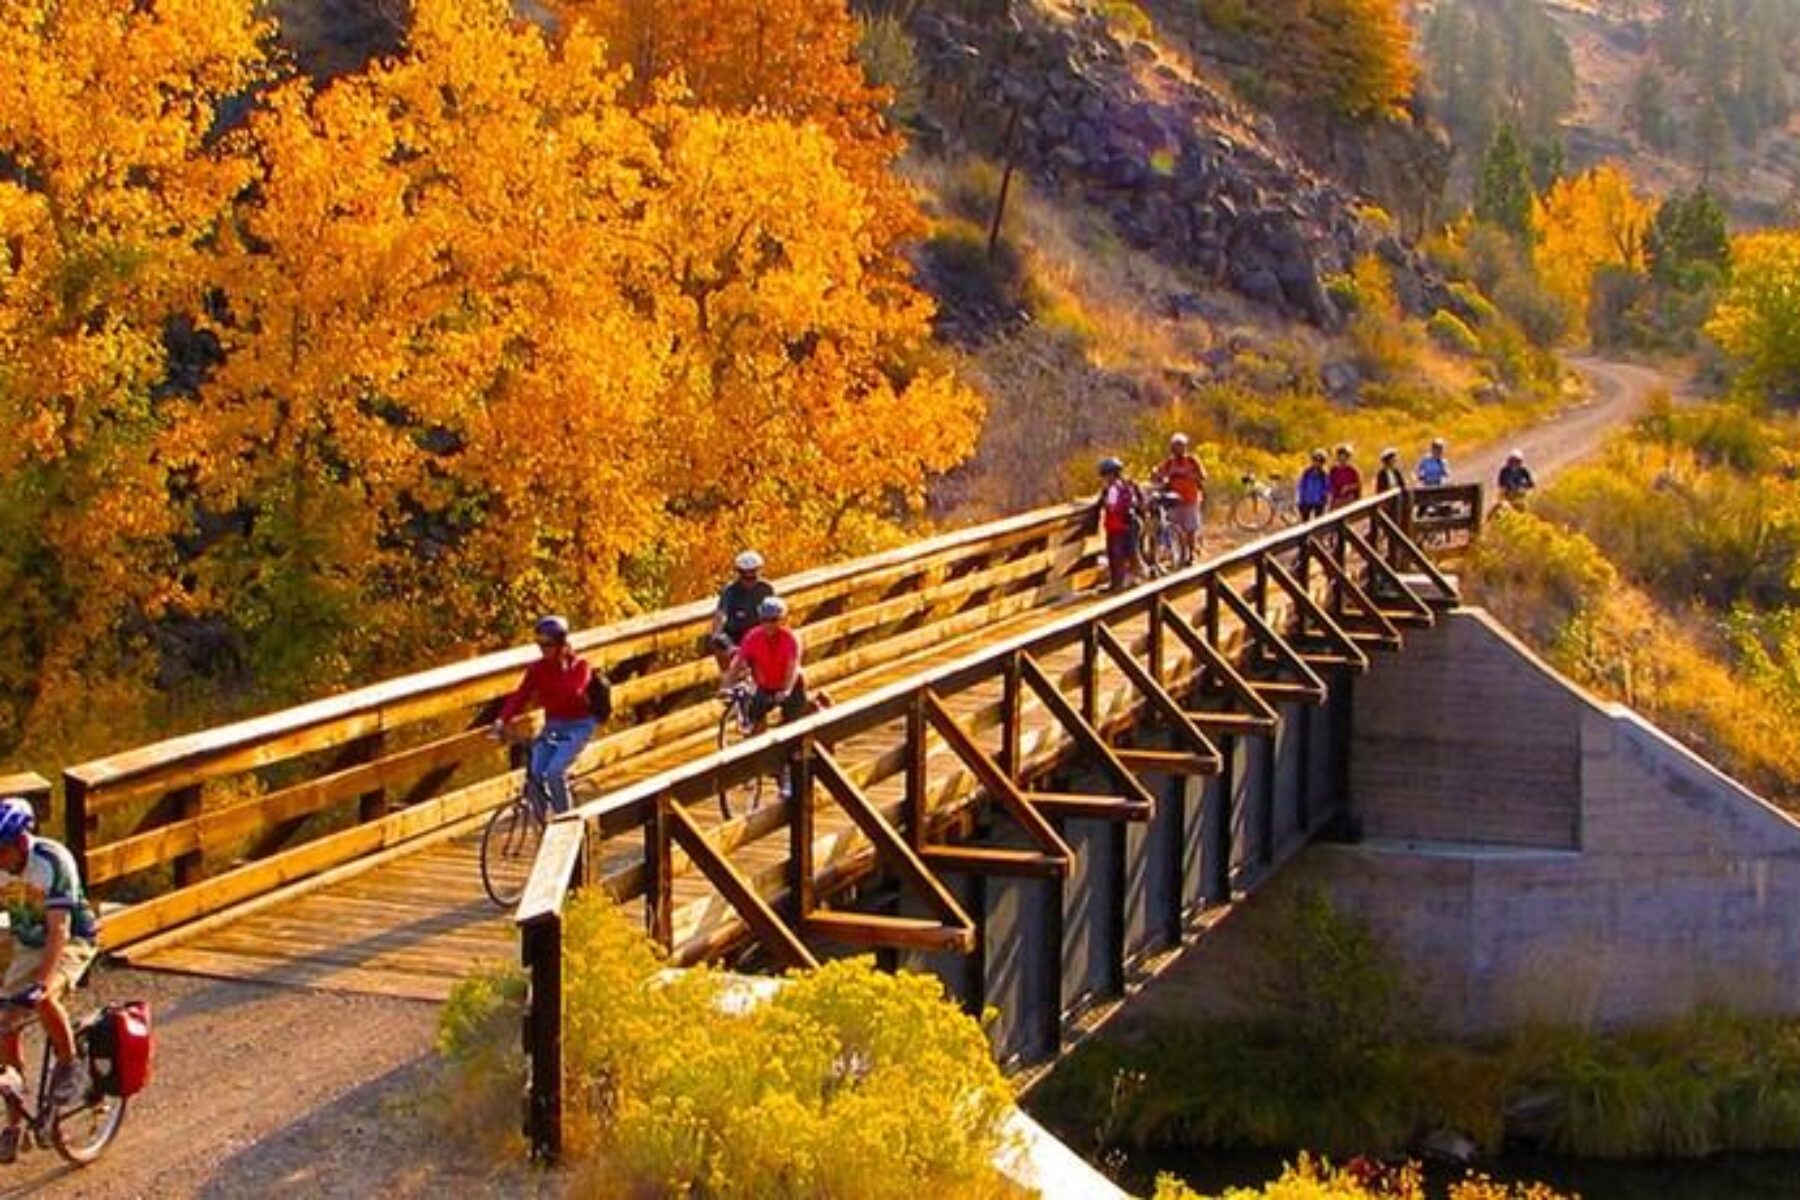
point(1387, 632)
point(989, 775)
point(1416, 611)
point(1168, 762)
point(890, 847)
point(1161, 702)
point(1313, 687)
point(1345, 650)
point(1410, 549)
point(991, 860)
point(880, 930)
point(739, 892)
point(1083, 734)
point(1088, 807)
point(1214, 660)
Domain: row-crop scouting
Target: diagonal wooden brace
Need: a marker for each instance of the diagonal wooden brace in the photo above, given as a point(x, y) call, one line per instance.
point(1158, 697)
point(998, 785)
point(1409, 549)
point(739, 892)
point(1137, 796)
point(1388, 574)
point(957, 928)
point(1311, 687)
point(1349, 589)
point(1345, 651)
point(1258, 714)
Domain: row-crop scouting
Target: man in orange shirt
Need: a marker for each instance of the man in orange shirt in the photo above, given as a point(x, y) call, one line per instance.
point(1183, 475)
point(770, 655)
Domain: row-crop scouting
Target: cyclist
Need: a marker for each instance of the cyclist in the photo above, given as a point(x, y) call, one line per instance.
point(559, 682)
point(736, 614)
point(53, 935)
point(1433, 470)
point(770, 655)
point(1314, 489)
point(1183, 475)
point(1346, 480)
point(1118, 506)
point(1515, 479)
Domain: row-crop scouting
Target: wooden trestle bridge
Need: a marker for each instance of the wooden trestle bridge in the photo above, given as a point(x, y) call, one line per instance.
point(1024, 785)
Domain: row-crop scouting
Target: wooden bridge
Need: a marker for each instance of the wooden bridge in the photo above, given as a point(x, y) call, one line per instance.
point(1024, 785)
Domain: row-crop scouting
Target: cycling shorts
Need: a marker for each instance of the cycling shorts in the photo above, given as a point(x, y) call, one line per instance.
point(71, 965)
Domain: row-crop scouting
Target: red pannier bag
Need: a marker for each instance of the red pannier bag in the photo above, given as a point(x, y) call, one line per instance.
point(121, 1048)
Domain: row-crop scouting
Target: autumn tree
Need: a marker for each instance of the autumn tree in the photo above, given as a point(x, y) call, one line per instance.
point(111, 190)
point(1757, 322)
point(1350, 57)
point(1586, 222)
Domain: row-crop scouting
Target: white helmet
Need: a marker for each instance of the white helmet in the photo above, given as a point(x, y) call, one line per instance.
point(1515, 455)
point(773, 608)
point(749, 560)
point(1178, 439)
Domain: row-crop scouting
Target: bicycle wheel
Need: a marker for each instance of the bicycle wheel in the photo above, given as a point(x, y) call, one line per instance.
point(1157, 547)
point(1289, 513)
point(1253, 512)
point(509, 846)
point(82, 1132)
point(739, 797)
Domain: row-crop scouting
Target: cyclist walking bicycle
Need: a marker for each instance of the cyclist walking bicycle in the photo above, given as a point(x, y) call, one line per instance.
point(1118, 508)
point(53, 943)
point(1182, 474)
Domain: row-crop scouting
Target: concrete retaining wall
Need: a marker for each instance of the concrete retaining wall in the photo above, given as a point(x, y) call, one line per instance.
point(1532, 853)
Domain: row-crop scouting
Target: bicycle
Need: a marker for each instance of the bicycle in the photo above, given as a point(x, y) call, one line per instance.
point(1263, 503)
point(1161, 544)
point(735, 725)
point(510, 841)
point(80, 1132)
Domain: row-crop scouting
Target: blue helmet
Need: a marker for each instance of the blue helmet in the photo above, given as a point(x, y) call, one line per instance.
point(16, 817)
point(555, 629)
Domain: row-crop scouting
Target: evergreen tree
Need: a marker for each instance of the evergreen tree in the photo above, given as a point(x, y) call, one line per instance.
point(1503, 193)
point(1688, 233)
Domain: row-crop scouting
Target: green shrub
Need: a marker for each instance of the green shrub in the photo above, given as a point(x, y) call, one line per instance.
point(1448, 332)
point(880, 1087)
point(889, 60)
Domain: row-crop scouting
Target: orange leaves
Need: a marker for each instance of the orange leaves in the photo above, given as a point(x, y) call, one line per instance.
point(1585, 222)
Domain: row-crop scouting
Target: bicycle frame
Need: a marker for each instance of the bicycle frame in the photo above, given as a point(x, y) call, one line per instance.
point(38, 1116)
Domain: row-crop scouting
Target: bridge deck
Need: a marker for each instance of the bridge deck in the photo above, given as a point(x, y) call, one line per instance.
point(417, 923)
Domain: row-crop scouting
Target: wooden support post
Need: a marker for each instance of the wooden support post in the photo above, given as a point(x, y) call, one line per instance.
point(181, 804)
point(1343, 728)
point(800, 833)
point(1052, 949)
point(1177, 816)
point(918, 814)
point(1218, 885)
point(1010, 718)
point(542, 949)
point(78, 825)
point(1265, 800)
point(372, 805)
point(1156, 640)
point(1117, 842)
point(1090, 673)
point(974, 989)
point(659, 891)
point(1303, 786)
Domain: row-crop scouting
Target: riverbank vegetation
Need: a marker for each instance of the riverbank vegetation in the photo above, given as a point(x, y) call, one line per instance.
point(844, 1081)
point(1340, 1061)
point(1314, 1179)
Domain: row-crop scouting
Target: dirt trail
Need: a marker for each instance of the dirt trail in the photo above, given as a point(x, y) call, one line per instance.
point(1622, 392)
point(266, 1091)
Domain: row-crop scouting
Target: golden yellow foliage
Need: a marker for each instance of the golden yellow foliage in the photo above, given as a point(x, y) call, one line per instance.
point(1757, 321)
point(1585, 222)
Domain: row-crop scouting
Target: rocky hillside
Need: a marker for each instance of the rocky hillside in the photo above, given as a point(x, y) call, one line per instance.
point(1126, 126)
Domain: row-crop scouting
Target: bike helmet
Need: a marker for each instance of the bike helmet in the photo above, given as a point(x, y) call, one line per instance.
point(1178, 439)
point(1515, 455)
point(1344, 448)
point(1318, 456)
point(1437, 443)
point(1390, 452)
point(554, 628)
point(749, 560)
point(1111, 466)
point(16, 817)
point(773, 608)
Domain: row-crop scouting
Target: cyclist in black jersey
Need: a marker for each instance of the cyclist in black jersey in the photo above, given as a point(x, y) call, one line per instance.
point(739, 603)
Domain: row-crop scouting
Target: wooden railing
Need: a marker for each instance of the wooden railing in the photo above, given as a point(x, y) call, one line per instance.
point(187, 827)
point(34, 788)
point(1247, 629)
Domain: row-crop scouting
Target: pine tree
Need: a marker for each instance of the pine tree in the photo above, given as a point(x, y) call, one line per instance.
point(1503, 193)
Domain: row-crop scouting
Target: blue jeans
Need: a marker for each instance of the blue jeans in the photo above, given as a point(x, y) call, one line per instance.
point(554, 752)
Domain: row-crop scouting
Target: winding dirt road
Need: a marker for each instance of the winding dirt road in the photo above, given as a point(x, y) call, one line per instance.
point(264, 1091)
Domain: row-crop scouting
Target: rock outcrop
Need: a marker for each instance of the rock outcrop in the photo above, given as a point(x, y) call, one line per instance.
point(1180, 169)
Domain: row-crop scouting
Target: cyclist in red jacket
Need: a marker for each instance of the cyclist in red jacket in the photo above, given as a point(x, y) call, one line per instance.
point(559, 682)
point(770, 655)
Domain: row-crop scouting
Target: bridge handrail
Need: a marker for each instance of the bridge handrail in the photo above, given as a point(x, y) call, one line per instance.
point(556, 873)
point(353, 728)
